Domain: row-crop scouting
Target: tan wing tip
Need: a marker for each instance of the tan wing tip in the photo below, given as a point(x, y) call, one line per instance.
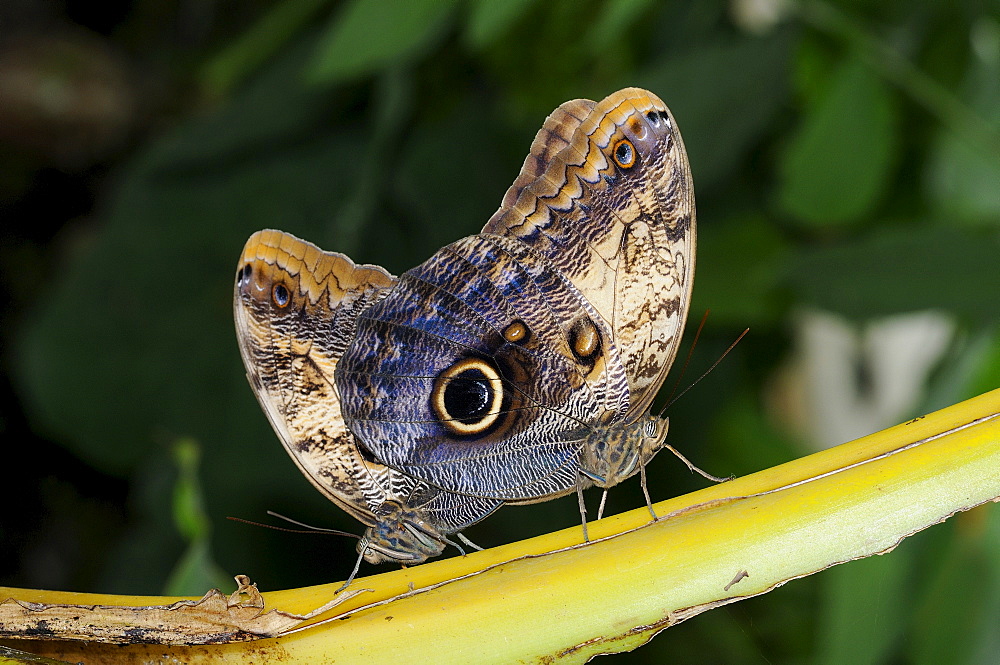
point(275, 255)
point(640, 97)
point(281, 249)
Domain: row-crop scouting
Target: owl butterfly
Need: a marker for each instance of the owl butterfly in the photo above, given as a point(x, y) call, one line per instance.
point(520, 364)
point(296, 309)
point(513, 366)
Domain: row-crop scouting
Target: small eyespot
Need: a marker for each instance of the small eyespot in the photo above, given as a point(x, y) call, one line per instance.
point(624, 153)
point(584, 340)
point(467, 397)
point(653, 117)
point(516, 333)
point(638, 128)
point(243, 276)
point(280, 295)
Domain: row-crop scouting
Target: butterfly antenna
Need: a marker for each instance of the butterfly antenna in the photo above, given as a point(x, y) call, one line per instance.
point(676, 452)
point(707, 371)
point(687, 360)
point(306, 528)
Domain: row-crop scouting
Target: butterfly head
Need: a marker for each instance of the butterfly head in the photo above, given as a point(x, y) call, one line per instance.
point(400, 536)
point(617, 452)
point(654, 435)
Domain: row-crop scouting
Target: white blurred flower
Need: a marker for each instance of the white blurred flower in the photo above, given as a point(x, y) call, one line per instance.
point(757, 16)
point(847, 381)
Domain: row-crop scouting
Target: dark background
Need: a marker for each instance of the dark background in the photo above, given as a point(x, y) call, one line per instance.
point(846, 157)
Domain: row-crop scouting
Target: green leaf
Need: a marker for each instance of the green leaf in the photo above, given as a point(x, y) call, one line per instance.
point(839, 160)
point(367, 35)
point(988, 368)
point(966, 369)
point(951, 620)
point(196, 570)
point(863, 610)
point(615, 17)
point(721, 122)
point(189, 508)
point(903, 270)
point(488, 20)
point(258, 45)
point(448, 199)
point(392, 102)
point(746, 439)
point(739, 271)
point(963, 177)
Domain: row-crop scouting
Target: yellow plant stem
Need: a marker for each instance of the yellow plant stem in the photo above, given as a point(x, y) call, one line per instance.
point(551, 597)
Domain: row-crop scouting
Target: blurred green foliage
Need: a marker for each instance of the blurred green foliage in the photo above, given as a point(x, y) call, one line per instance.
point(846, 157)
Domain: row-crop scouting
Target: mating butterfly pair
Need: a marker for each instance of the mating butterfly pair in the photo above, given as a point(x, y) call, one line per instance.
point(513, 366)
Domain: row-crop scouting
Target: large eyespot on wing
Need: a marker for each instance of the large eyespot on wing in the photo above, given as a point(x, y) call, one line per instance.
point(468, 397)
point(613, 209)
point(475, 383)
point(624, 154)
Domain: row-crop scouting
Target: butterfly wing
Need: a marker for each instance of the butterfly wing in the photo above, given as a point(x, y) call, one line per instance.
point(485, 369)
point(590, 255)
point(296, 307)
point(608, 198)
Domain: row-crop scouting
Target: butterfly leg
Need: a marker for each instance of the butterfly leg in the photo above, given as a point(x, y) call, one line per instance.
point(692, 467)
point(600, 508)
point(459, 547)
point(354, 573)
point(583, 509)
point(645, 491)
point(461, 550)
point(461, 536)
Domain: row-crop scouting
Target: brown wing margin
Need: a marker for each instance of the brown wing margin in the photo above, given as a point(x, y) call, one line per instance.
point(554, 135)
point(291, 360)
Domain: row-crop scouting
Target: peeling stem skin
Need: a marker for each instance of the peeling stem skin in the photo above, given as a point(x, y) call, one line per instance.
point(635, 577)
